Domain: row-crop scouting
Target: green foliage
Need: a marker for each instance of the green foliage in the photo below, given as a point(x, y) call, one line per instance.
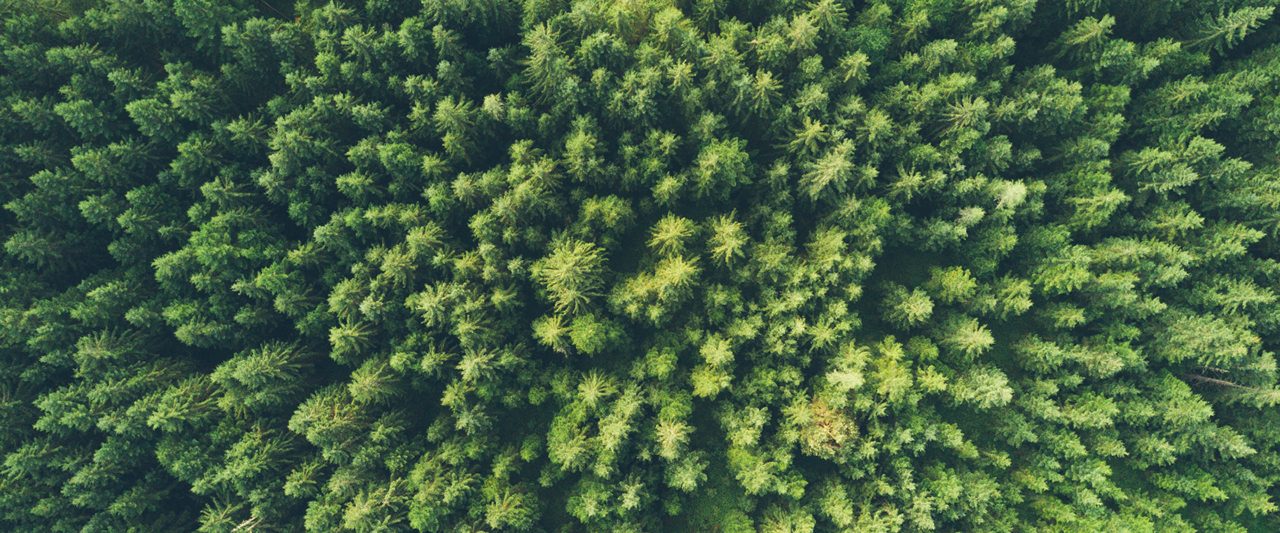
point(445, 265)
point(571, 274)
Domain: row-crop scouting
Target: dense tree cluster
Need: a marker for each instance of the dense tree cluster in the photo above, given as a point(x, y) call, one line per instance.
point(639, 265)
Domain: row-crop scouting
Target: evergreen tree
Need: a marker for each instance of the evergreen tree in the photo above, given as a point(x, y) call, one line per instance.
point(991, 265)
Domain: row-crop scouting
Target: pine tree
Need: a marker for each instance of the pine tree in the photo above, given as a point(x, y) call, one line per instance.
point(638, 266)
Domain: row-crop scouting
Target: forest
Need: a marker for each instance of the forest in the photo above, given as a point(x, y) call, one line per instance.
point(639, 265)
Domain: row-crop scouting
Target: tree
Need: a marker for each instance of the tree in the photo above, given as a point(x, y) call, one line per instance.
point(571, 274)
point(639, 266)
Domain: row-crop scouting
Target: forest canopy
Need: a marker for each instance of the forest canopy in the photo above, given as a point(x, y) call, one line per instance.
point(639, 265)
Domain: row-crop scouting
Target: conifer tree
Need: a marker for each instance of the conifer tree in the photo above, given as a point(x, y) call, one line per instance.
point(989, 265)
